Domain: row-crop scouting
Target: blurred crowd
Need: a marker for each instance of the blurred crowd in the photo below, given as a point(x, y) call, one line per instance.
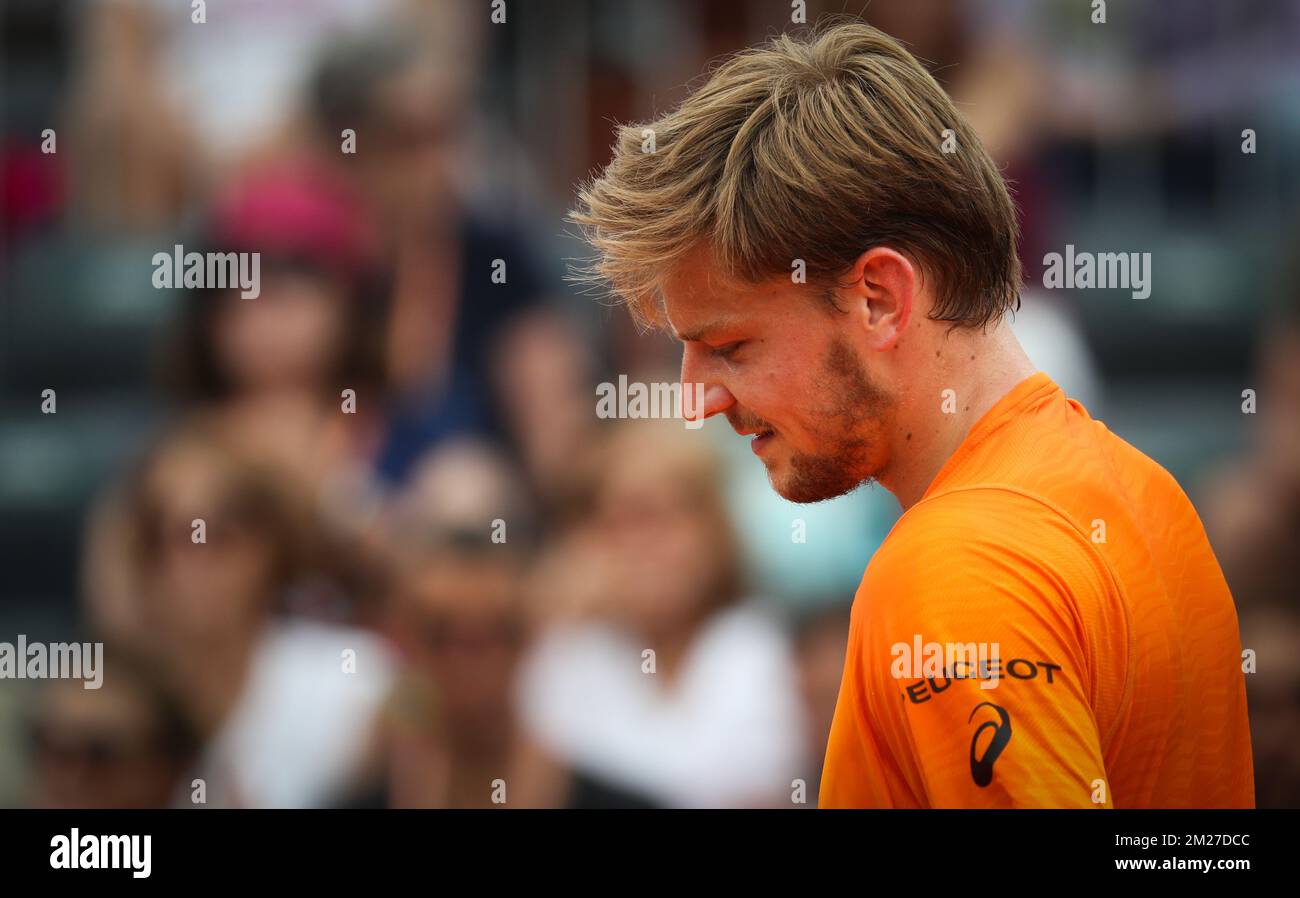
point(429, 574)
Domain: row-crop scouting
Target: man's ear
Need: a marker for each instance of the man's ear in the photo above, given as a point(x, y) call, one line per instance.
point(879, 289)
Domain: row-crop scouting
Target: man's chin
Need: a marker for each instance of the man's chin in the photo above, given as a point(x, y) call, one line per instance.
point(805, 490)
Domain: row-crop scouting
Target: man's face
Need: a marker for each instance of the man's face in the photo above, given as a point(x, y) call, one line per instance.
point(780, 363)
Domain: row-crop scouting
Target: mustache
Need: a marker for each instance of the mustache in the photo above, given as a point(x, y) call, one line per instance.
point(744, 421)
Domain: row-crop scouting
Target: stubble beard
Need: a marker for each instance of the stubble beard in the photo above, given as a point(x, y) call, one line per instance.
point(851, 427)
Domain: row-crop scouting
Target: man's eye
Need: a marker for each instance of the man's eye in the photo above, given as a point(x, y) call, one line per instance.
point(727, 350)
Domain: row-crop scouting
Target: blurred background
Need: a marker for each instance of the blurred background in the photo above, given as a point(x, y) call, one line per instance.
point(455, 583)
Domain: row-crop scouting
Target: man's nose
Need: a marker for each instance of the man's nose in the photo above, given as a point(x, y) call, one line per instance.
point(701, 397)
point(704, 400)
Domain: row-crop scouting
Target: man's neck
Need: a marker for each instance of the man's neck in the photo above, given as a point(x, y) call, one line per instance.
point(980, 369)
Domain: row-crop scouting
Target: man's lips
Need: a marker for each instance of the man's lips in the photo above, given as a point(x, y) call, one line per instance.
point(762, 438)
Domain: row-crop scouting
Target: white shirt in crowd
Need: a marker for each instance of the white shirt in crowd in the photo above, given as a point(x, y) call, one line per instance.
point(729, 732)
point(299, 730)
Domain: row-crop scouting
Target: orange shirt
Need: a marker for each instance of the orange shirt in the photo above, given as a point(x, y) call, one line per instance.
point(1046, 627)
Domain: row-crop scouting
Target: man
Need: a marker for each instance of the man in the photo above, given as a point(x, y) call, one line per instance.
point(1046, 626)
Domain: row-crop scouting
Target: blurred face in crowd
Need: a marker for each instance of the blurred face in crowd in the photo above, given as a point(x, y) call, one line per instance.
point(287, 338)
point(658, 517)
point(99, 748)
point(1273, 693)
point(459, 621)
point(1281, 426)
point(410, 167)
point(218, 586)
point(786, 369)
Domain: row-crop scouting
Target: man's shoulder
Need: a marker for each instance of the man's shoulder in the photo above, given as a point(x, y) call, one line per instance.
point(968, 522)
point(999, 542)
point(1060, 456)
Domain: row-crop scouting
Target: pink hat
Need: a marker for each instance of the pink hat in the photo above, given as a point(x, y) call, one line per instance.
point(296, 208)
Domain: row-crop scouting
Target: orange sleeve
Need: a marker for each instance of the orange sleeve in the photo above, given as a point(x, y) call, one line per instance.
point(976, 667)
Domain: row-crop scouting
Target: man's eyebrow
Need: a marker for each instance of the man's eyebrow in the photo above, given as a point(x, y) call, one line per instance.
point(705, 330)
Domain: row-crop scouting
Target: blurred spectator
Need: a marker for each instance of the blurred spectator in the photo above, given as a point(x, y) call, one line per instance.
point(281, 702)
point(1252, 505)
point(238, 75)
point(654, 674)
point(451, 731)
point(1252, 514)
point(461, 488)
point(471, 324)
point(1273, 696)
point(273, 368)
point(126, 744)
point(135, 162)
point(294, 375)
point(821, 635)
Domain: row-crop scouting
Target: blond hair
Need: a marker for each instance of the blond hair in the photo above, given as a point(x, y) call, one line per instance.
point(812, 148)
